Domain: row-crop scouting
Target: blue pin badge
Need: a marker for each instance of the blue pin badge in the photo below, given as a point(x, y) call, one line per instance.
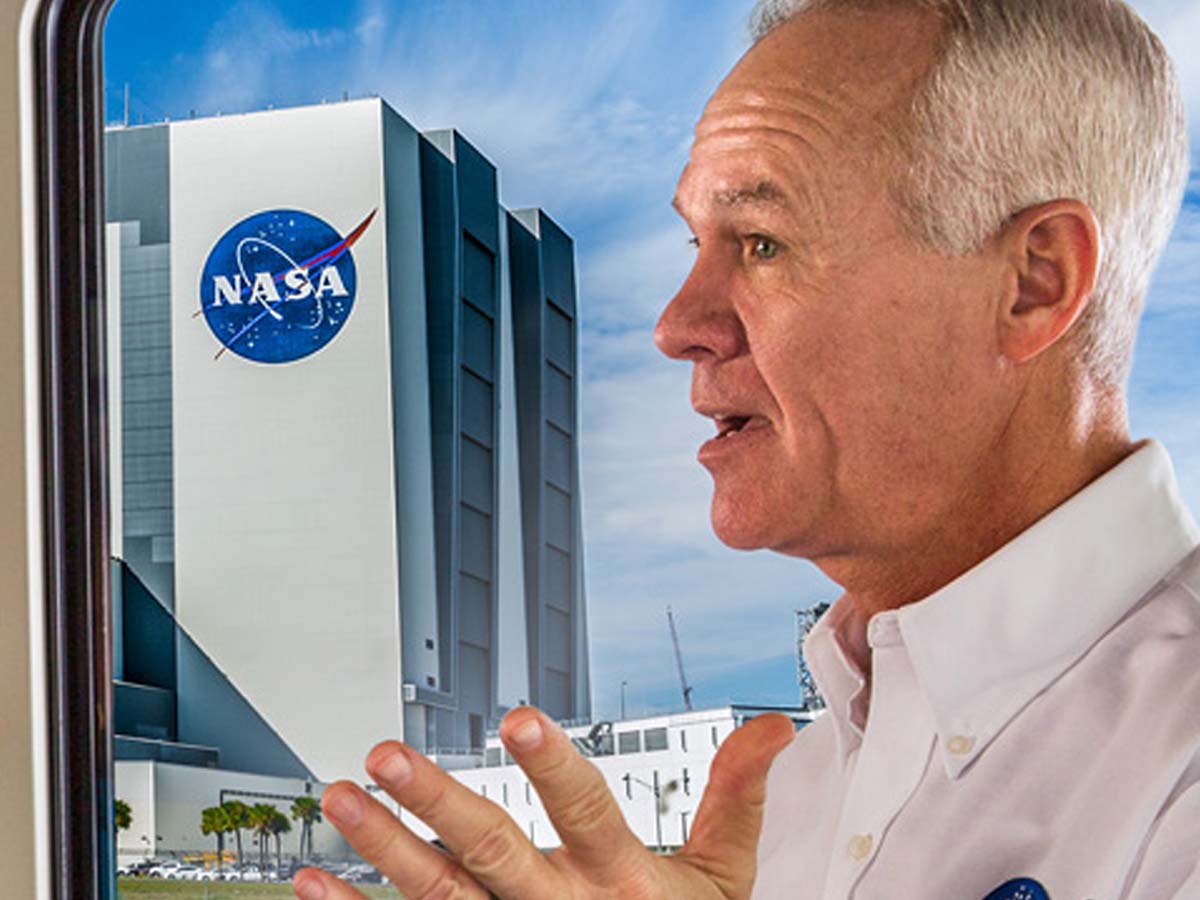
point(1019, 889)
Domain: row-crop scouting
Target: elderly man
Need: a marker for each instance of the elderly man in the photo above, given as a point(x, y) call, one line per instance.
point(924, 230)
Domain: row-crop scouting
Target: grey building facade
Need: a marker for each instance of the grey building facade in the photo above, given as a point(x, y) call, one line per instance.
point(545, 325)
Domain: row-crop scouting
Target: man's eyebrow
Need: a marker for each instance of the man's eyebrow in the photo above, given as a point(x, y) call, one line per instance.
point(762, 193)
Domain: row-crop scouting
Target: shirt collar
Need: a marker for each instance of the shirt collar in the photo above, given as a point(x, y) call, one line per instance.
point(986, 644)
point(839, 679)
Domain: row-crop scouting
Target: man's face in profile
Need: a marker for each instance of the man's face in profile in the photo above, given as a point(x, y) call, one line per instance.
point(850, 370)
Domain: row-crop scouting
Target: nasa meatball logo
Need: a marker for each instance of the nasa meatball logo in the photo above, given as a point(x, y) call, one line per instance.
point(279, 285)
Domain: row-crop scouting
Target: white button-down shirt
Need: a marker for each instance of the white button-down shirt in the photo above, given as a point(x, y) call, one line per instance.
point(1030, 730)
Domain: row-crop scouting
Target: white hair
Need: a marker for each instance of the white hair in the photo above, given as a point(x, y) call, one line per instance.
point(1036, 100)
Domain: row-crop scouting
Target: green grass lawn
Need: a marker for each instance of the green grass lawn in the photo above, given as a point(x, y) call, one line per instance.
point(159, 889)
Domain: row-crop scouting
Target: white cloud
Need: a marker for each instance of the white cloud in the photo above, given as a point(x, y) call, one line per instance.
point(639, 440)
point(587, 112)
point(1178, 24)
point(1177, 278)
point(249, 50)
point(628, 281)
point(371, 27)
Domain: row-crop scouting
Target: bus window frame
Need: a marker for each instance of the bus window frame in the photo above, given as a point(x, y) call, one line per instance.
point(68, 120)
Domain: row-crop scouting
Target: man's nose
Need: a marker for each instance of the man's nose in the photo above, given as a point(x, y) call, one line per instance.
point(699, 322)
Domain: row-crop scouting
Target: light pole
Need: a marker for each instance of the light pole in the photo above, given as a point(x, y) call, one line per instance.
point(657, 791)
point(623, 683)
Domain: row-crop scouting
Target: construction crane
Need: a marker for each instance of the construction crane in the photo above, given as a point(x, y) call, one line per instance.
point(687, 689)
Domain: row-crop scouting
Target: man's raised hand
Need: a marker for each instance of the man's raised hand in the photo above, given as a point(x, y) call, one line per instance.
point(488, 854)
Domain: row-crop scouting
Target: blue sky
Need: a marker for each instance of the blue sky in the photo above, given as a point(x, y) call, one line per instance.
point(586, 108)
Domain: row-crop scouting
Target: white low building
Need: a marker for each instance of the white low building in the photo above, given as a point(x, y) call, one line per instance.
point(657, 768)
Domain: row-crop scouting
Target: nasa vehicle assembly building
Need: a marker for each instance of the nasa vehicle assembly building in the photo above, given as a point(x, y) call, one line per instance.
point(344, 443)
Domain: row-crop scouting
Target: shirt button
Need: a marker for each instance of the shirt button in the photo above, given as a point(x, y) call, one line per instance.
point(860, 846)
point(960, 744)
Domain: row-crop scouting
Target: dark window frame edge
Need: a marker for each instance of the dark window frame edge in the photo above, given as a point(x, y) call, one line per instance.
point(69, 134)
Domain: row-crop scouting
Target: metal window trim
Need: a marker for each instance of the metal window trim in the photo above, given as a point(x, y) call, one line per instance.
point(68, 104)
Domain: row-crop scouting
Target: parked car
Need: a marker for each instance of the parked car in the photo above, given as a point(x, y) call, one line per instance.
point(247, 873)
point(363, 874)
point(164, 870)
point(185, 873)
point(142, 867)
point(291, 867)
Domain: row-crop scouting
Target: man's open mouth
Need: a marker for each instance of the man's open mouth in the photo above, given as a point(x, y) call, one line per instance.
point(727, 425)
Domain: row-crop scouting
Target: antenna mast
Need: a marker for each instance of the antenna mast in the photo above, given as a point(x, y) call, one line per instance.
point(687, 690)
point(810, 697)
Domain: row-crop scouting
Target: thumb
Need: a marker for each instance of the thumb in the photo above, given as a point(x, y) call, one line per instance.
point(724, 838)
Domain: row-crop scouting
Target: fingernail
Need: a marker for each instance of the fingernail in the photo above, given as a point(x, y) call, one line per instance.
point(527, 736)
point(394, 769)
point(345, 806)
point(310, 888)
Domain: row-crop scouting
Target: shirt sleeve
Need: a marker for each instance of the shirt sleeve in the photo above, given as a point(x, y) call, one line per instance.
point(1170, 865)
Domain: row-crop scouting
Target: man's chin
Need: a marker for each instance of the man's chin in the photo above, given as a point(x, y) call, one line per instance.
point(736, 530)
point(742, 524)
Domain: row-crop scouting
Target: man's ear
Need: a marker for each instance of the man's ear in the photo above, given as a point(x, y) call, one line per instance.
point(1055, 249)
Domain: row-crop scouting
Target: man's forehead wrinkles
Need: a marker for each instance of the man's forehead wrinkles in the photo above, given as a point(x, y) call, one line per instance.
point(739, 149)
point(733, 137)
point(750, 156)
point(829, 98)
point(824, 101)
point(793, 120)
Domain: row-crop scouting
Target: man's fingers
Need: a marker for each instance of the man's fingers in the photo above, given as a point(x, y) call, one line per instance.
point(481, 836)
point(314, 884)
point(418, 870)
point(728, 822)
point(576, 797)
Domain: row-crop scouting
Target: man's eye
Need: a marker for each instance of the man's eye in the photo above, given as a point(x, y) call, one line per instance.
point(764, 247)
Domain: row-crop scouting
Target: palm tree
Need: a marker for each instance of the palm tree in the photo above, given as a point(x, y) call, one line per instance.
point(122, 815)
point(215, 820)
point(239, 818)
point(261, 815)
point(279, 827)
point(122, 819)
point(308, 811)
